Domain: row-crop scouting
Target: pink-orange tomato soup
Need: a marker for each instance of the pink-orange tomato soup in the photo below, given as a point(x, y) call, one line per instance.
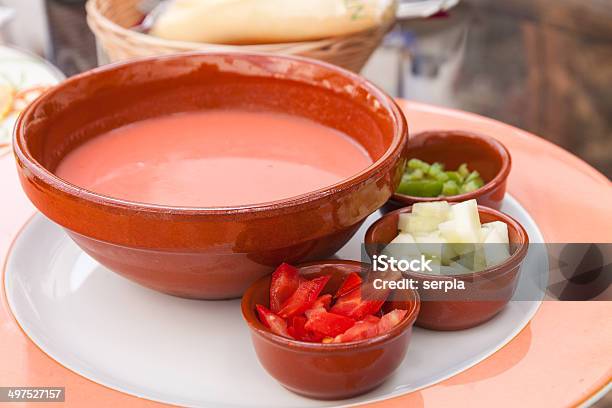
point(214, 158)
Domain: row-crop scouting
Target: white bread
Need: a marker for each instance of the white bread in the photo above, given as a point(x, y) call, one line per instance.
point(266, 21)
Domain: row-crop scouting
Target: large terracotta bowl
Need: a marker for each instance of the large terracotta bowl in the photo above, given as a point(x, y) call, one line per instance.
point(208, 253)
point(452, 148)
point(486, 292)
point(334, 370)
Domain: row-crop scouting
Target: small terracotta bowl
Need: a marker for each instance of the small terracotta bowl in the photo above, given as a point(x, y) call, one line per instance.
point(214, 252)
point(330, 371)
point(452, 148)
point(486, 292)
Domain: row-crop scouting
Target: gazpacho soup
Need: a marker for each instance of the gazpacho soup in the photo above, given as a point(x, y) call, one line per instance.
point(214, 158)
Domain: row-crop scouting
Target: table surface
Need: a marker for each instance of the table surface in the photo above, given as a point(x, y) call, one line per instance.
point(543, 66)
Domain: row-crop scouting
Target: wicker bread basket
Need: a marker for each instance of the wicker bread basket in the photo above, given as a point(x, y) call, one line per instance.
point(110, 21)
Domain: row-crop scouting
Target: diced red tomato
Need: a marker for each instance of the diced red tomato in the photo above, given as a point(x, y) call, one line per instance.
point(298, 330)
point(371, 319)
point(296, 327)
point(303, 297)
point(352, 281)
point(328, 324)
point(353, 306)
point(300, 312)
point(363, 329)
point(390, 320)
point(285, 280)
point(322, 301)
point(275, 323)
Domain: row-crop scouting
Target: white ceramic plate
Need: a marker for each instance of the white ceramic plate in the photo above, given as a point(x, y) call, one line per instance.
point(199, 353)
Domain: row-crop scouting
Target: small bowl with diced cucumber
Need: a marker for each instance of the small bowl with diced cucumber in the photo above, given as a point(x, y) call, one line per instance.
point(475, 255)
point(454, 166)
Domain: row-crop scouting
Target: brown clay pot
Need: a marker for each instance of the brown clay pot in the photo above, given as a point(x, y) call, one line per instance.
point(208, 253)
point(486, 292)
point(452, 148)
point(333, 370)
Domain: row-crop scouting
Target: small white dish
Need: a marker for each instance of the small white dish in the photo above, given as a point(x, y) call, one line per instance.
point(198, 353)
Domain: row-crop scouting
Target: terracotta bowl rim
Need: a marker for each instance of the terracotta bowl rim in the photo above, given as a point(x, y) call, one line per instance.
point(400, 137)
point(492, 184)
point(257, 327)
point(510, 263)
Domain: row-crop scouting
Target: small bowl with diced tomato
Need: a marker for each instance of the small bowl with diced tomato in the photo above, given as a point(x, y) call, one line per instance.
point(323, 331)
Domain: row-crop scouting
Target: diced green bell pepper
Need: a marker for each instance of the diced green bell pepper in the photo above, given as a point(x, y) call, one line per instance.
point(420, 188)
point(450, 188)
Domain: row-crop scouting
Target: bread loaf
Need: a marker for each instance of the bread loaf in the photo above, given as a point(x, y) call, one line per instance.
point(266, 21)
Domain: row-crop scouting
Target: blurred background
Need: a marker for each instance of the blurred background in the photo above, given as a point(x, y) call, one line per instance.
point(542, 65)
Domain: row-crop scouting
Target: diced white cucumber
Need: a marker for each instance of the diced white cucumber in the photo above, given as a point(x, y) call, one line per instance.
point(448, 230)
point(438, 209)
point(429, 237)
point(480, 261)
point(452, 236)
point(403, 247)
point(416, 224)
point(403, 222)
point(431, 244)
point(495, 254)
point(496, 236)
point(501, 229)
point(484, 231)
point(462, 242)
point(461, 248)
point(496, 248)
point(464, 227)
point(403, 238)
point(448, 253)
point(436, 266)
point(474, 260)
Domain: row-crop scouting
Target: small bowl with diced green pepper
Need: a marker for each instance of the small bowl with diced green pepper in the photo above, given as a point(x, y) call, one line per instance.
point(455, 166)
point(422, 179)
